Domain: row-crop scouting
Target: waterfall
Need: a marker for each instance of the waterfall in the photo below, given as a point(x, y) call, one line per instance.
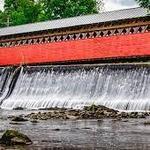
point(122, 87)
point(2, 79)
point(5, 80)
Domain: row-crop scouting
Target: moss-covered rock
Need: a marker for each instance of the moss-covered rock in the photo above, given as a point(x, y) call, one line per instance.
point(13, 137)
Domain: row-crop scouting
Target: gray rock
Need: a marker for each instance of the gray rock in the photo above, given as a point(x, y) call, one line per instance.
point(19, 119)
point(18, 108)
point(34, 121)
point(147, 123)
point(13, 137)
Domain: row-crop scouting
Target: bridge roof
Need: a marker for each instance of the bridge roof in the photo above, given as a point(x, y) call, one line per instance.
point(75, 21)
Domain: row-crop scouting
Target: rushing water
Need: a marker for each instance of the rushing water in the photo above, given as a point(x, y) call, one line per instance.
point(6, 76)
point(124, 87)
point(3, 79)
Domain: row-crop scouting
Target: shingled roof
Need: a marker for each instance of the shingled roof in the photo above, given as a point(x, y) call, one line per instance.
point(75, 21)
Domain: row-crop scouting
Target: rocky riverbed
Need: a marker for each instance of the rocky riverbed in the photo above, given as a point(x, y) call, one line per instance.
point(88, 112)
point(94, 127)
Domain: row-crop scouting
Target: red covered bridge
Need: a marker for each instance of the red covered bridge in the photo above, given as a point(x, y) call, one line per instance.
point(116, 35)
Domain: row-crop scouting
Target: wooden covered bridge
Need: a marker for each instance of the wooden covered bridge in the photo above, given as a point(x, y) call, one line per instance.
point(116, 35)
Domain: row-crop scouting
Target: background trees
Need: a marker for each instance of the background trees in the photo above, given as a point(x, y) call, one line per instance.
point(55, 9)
point(17, 12)
point(144, 3)
point(21, 11)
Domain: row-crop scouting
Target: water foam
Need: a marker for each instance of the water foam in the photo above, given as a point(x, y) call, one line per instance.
point(123, 88)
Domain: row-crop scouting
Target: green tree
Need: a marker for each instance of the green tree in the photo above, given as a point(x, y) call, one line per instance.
point(22, 11)
point(3, 19)
point(144, 3)
point(56, 9)
point(17, 12)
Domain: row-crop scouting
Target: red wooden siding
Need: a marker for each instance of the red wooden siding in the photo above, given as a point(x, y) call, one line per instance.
point(96, 48)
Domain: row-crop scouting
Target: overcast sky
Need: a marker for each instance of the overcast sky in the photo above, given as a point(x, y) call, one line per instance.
point(109, 4)
point(119, 4)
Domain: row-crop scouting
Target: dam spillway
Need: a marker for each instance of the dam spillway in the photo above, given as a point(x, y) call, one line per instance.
point(122, 87)
point(48, 51)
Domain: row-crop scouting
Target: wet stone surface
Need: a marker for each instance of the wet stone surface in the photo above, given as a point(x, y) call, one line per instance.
point(88, 112)
point(13, 137)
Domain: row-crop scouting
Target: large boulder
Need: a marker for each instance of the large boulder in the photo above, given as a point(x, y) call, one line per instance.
point(13, 137)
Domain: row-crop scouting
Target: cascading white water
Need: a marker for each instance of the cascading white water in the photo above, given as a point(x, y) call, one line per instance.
point(123, 88)
point(2, 78)
point(5, 80)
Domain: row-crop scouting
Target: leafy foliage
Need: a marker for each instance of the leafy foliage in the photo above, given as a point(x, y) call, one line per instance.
point(17, 12)
point(55, 9)
point(2, 19)
point(22, 11)
point(144, 3)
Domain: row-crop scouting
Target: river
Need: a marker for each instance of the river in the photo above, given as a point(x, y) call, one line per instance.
point(105, 134)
